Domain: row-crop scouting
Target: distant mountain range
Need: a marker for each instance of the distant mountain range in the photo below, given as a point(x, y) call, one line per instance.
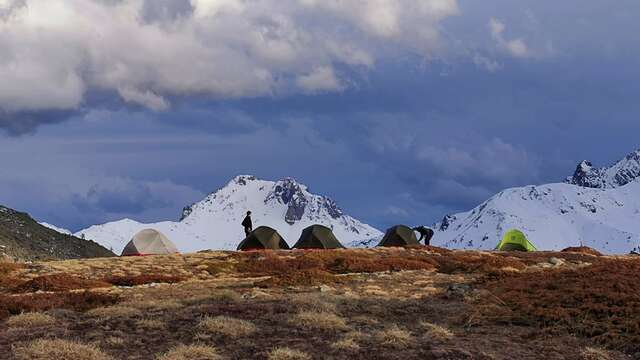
point(596, 207)
point(214, 223)
point(23, 239)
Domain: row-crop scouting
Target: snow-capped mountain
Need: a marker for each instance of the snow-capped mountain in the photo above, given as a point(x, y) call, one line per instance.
point(599, 208)
point(214, 223)
point(619, 174)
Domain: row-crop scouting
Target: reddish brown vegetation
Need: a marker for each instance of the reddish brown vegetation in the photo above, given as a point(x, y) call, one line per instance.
point(135, 280)
point(320, 267)
point(467, 262)
point(7, 280)
point(583, 250)
point(7, 268)
point(78, 301)
point(599, 302)
point(300, 278)
point(58, 282)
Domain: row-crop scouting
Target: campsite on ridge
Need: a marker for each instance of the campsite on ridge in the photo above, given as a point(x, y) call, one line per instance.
point(319, 180)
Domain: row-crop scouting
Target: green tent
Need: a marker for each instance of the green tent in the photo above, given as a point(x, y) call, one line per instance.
point(318, 237)
point(263, 238)
point(515, 240)
point(399, 235)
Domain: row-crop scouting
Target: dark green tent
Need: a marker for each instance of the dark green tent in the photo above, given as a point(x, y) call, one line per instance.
point(263, 238)
point(317, 237)
point(399, 235)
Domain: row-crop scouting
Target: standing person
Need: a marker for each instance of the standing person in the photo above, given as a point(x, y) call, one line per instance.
point(247, 224)
point(425, 233)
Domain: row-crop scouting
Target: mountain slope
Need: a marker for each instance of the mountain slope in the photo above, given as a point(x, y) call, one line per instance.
point(599, 208)
point(22, 238)
point(55, 228)
point(214, 222)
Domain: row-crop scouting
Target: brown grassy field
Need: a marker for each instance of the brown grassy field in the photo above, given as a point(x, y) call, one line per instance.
point(414, 303)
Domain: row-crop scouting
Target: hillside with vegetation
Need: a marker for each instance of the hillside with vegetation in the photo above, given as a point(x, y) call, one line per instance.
point(413, 303)
point(23, 238)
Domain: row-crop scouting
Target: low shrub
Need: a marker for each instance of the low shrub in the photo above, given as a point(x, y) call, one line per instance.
point(583, 250)
point(599, 302)
point(7, 268)
point(469, 262)
point(58, 282)
point(77, 301)
point(308, 277)
point(143, 279)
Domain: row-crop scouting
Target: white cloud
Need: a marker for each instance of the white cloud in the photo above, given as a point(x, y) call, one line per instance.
point(52, 52)
point(515, 47)
point(320, 79)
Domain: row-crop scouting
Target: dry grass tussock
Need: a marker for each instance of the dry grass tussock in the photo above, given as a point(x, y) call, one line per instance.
point(591, 353)
point(283, 353)
point(319, 320)
point(58, 349)
point(349, 342)
point(191, 352)
point(228, 326)
point(164, 304)
point(224, 296)
point(151, 324)
point(434, 331)
point(110, 312)
point(77, 301)
point(114, 341)
point(30, 320)
point(394, 337)
point(314, 302)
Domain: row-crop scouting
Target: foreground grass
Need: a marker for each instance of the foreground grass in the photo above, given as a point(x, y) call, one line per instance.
point(415, 303)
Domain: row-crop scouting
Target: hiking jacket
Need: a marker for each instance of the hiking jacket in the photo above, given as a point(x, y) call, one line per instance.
point(247, 222)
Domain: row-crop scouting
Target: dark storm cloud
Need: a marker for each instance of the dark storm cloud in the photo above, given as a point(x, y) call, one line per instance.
point(26, 122)
point(123, 198)
point(518, 93)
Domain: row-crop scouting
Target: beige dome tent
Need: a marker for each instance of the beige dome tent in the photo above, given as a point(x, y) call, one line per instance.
point(149, 242)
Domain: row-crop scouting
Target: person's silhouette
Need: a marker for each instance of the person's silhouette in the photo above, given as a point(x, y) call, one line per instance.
point(425, 233)
point(247, 224)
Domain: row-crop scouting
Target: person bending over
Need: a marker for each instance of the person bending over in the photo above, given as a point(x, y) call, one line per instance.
point(425, 234)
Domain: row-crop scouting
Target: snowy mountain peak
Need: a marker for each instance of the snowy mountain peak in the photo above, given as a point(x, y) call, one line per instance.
point(602, 211)
point(619, 174)
point(214, 222)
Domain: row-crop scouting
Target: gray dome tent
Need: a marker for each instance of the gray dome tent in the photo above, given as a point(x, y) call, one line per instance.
point(318, 237)
point(149, 242)
point(263, 238)
point(399, 235)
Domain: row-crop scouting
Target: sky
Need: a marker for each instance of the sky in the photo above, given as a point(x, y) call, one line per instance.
point(400, 110)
